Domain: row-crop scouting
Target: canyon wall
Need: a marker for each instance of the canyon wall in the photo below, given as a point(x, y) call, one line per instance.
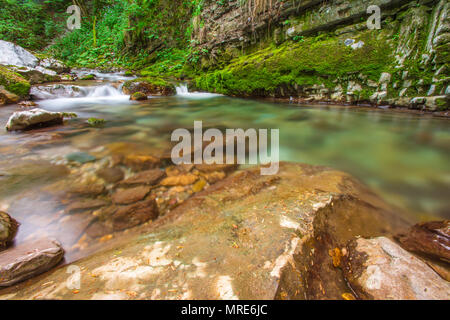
point(323, 51)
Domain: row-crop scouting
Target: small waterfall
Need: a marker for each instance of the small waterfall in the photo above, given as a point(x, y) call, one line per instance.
point(183, 91)
point(67, 97)
point(58, 91)
point(104, 91)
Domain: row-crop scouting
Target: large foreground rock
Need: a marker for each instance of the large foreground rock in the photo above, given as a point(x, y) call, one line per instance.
point(246, 237)
point(380, 269)
point(8, 229)
point(23, 120)
point(28, 260)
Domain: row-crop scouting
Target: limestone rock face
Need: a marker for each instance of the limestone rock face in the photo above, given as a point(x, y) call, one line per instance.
point(8, 229)
point(23, 120)
point(28, 260)
point(246, 237)
point(380, 269)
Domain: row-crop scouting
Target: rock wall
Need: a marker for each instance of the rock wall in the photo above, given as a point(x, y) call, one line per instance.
point(324, 51)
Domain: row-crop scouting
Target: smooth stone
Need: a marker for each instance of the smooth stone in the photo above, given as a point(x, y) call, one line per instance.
point(429, 238)
point(28, 260)
point(86, 205)
point(380, 269)
point(128, 196)
point(80, 157)
point(181, 180)
point(149, 177)
point(133, 215)
point(111, 175)
point(23, 120)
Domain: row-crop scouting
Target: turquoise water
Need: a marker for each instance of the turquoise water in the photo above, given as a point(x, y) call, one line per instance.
point(403, 157)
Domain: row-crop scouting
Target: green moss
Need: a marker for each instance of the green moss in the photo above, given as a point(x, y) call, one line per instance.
point(94, 122)
point(149, 85)
point(88, 77)
point(313, 61)
point(13, 82)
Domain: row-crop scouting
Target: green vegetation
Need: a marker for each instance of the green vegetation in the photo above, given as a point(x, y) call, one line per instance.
point(319, 60)
point(13, 82)
point(94, 122)
point(32, 24)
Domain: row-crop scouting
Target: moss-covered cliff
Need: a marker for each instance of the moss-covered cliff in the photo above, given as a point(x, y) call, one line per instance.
point(324, 51)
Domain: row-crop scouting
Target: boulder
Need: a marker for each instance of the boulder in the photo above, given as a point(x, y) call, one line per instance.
point(24, 120)
point(127, 196)
point(13, 54)
point(14, 82)
point(8, 229)
point(149, 86)
point(55, 65)
point(111, 175)
point(380, 269)
point(246, 237)
point(37, 75)
point(28, 260)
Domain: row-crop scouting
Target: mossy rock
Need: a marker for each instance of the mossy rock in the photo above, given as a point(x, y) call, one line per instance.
point(88, 77)
point(14, 83)
point(138, 96)
point(149, 86)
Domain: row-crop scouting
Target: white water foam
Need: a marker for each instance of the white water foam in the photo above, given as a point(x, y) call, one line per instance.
point(183, 91)
point(102, 94)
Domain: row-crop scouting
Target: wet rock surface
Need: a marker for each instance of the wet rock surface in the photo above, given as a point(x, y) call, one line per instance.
point(23, 120)
point(429, 238)
point(380, 269)
point(245, 237)
point(28, 260)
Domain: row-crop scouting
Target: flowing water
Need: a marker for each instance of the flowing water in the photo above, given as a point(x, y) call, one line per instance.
point(403, 157)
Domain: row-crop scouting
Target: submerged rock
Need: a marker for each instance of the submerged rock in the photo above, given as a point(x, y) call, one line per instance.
point(246, 237)
point(111, 175)
point(24, 120)
point(149, 177)
point(380, 269)
point(127, 196)
point(28, 260)
point(8, 229)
